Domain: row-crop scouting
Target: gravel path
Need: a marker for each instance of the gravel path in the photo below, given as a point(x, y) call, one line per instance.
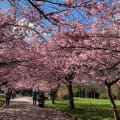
point(22, 109)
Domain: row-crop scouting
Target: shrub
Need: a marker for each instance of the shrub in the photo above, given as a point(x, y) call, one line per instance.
point(103, 96)
point(1, 91)
point(76, 91)
point(62, 93)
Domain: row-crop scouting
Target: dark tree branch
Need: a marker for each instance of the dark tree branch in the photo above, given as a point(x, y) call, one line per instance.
point(39, 10)
point(111, 83)
point(91, 48)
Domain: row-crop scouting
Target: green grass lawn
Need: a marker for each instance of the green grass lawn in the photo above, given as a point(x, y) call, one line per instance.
point(87, 109)
point(2, 100)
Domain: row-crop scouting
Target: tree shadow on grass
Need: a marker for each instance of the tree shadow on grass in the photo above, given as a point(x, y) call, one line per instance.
point(89, 112)
point(93, 114)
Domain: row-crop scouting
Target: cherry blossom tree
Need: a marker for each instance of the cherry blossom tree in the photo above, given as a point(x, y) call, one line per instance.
point(95, 54)
point(14, 49)
point(52, 15)
point(85, 44)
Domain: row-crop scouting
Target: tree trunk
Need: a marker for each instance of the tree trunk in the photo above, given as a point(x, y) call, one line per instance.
point(71, 100)
point(54, 91)
point(115, 111)
point(53, 98)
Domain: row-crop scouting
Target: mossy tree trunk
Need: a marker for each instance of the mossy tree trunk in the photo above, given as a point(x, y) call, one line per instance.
point(115, 111)
point(71, 100)
point(69, 78)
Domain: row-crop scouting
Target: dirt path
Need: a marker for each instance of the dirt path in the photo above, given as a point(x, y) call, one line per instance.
point(22, 109)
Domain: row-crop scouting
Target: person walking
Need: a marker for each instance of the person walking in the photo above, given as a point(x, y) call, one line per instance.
point(41, 100)
point(34, 96)
point(13, 94)
point(8, 97)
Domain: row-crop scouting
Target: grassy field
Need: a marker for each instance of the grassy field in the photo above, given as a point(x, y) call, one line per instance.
point(2, 100)
point(87, 109)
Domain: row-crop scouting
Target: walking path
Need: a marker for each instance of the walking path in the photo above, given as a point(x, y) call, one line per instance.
point(22, 109)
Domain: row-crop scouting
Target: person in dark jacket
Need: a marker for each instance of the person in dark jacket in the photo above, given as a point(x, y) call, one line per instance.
point(8, 97)
point(41, 100)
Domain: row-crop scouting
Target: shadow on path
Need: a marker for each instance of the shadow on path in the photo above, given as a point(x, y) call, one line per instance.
point(22, 109)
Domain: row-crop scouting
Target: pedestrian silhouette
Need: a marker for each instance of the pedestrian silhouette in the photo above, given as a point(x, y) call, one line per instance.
point(8, 97)
point(41, 100)
point(34, 96)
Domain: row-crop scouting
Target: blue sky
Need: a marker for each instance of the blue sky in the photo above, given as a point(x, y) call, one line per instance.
point(4, 4)
point(48, 8)
point(76, 15)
